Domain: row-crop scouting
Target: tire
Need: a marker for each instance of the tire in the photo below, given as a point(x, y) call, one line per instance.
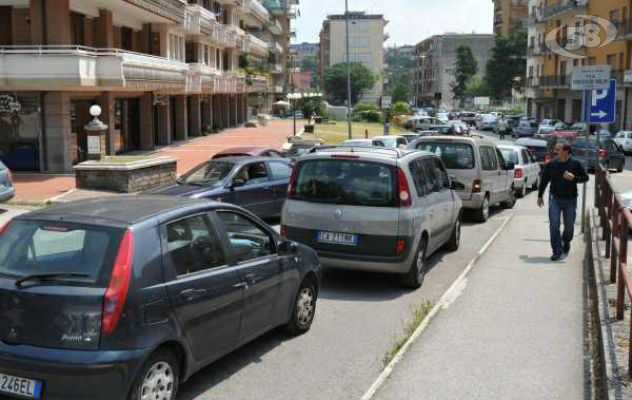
point(621, 166)
point(455, 238)
point(511, 201)
point(482, 214)
point(520, 193)
point(162, 362)
point(414, 278)
point(536, 185)
point(304, 309)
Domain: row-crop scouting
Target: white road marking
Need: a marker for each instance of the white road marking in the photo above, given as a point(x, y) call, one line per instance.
point(448, 298)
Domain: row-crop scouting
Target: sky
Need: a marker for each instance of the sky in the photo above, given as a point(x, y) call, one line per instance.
point(410, 21)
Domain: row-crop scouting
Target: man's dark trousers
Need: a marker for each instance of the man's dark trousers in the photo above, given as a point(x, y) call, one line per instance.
point(562, 208)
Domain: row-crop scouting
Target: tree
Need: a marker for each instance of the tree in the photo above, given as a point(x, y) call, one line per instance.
point(400, 108)
point(399, 75)
point(309, 63)
point(465, 68)
point(478, 87)
point(335, 82)
point(400, 92)
point(508, 62)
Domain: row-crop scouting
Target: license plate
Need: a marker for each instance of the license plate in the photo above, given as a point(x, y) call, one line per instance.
point(347, 239)
point(20, 386)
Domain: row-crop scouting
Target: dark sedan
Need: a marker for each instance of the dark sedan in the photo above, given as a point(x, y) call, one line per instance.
point(248, 152)
point(603, 151)
point(256, 183)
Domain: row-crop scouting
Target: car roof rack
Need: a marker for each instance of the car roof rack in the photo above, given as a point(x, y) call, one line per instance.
point(398, 153)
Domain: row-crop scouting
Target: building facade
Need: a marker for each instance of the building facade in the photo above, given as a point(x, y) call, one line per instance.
point(161, 70)
point(304, 50)
point(549, 74)
point(435, 59)
point(366, 45)
point(510, 15)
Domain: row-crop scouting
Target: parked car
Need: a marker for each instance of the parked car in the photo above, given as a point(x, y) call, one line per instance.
point(248, 151)
point(526, 168)
point(482, 177)
point(525, 129)
point(410, 136)
point(363, 143)
point(422, 123)
point(539, 149)
point(123, 296)
point(548, 126)
point(624, 139)
point(255, 183)
point(373, 209)
point(392, 141)
point(605, 152)
point(297, 146)
point(7, 190)
point(443, 129)
point(468, 117)
point(578, 127)
point(460, 127)
point(486, 122)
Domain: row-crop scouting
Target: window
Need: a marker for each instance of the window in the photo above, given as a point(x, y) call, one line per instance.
point(247, 240)
point(453, 155)
point(525, 157)
point(441, 174)
point(417, 172)
point(510, 155)
point(433, 181)
point(280, 171)
point(253, 173)
point(501, 161)
point(192, 245)
point(488, 159)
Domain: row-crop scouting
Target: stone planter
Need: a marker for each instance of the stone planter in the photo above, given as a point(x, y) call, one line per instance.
point(119, 175)
point(309, 128)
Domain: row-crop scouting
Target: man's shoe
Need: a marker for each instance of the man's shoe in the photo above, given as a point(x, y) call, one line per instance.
point(567, 248)
point(556, 257)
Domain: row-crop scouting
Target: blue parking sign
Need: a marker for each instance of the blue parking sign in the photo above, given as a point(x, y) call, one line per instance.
point(603, 104)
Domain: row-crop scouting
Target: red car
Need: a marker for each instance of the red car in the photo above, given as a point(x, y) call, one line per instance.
point(249, 152)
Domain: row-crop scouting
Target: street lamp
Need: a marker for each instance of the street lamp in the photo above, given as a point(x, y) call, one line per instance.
point(293, 97)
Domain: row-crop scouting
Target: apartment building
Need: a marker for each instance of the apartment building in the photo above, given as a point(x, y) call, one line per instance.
point(548, 74)
point(161, 70)
point(435, 59)
point(366, 45)
point(304, 50)
point(510, 15)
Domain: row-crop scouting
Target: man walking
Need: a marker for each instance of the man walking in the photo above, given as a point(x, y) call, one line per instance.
point(502, 128)
point(564, 173)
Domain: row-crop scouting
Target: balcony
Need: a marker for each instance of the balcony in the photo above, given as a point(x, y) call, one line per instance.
point(276, 68)
point(255, 46)
point(171, 9)
point(560, 8)
point(257, 10)
point(79, 67)
point(201, 79)
point(223, 36)
point(275, 28)
point(239, 34)
point(555, 81)
point(198, 20)
point(275, 47)
point(257, 84)
point(624, 29)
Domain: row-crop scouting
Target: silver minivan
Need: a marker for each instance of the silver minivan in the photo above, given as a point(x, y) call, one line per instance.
point(382, 210)
point(479, 172)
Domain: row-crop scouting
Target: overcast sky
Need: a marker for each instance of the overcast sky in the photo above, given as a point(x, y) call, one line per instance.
point(410, 21)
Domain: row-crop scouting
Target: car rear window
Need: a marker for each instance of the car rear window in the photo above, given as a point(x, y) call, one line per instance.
point(347, 182)
point(210, 173)
point(453, 155)
point(34, 247)
point(510, 155)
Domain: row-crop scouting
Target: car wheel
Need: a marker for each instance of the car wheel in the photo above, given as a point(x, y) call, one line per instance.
point(417, 272)
point(482, 214)
point(304, 309)
point(511, 201)
point(158, 378)
point(520, 193)
point(621, 166)
point(536, 185)
point(455, 239)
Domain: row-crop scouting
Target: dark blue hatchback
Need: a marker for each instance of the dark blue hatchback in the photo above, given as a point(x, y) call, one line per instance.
point(125, 297)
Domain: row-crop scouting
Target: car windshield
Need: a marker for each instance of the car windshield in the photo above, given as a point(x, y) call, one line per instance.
point(347, 182)
point(389, 143)
point(453, 155)
point(510, 155)
point(299, 150)
point(42, 247)
point(211, 173)
point(581, 143)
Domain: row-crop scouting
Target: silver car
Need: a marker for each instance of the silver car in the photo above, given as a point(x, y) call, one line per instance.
point(526, 169)
point(373, 209)
point(478, 169)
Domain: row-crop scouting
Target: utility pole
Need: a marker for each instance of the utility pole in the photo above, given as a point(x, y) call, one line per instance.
point(348, 69)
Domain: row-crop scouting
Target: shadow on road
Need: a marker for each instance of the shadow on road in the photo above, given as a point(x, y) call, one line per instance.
point(538, 260)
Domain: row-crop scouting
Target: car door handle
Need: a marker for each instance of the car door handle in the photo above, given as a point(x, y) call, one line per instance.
point(267, 188)
point(192, 294)
point(241, 285)
point(252, 279)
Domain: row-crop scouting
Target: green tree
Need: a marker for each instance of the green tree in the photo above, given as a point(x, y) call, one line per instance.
point(335, 82)
point(465, 68)
point(507, 62)
point(399, 75)
point(400, 92)
point(309, 63)
point(400, 108)
point(478, 87)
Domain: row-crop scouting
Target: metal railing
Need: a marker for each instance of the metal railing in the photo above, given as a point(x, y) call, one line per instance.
point(560, 8)
point(258, 10)
point(616, 221)
point(555, 80)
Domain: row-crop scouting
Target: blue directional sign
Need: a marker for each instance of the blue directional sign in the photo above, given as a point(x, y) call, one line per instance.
point(603, 104)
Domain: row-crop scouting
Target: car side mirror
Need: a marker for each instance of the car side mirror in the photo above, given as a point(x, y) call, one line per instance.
point(288, 247)
point(454, 184)
point(238, 182)
point(509, 166)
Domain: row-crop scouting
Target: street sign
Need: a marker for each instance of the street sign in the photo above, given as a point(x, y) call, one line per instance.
point(593, 77)
point(627, 78)
point(603, 104)
point(481, 101)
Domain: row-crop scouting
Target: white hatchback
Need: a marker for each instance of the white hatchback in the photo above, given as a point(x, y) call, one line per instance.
point(624, 139)
point(526, 168)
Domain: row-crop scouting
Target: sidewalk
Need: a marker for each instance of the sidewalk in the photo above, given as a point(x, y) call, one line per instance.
point(515, 331)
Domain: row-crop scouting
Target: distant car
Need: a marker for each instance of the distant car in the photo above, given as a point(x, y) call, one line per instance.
point(600, 151)
point(624, 139)
point(297, 146)
point(603, 134)
point(443, 129)
point(410, 136)
point(363, 143)
point(7, 190)
point(578, 127)
point(422, 123)
point(248, 152)
point(525, 128)
point(526, 168)
point(443, 116)
point(548, 126)
point(487, 122)
point(256, 183)
point(468, 117)
point(124, 297)
point(392, 142)
point(460, 127)
point(538, 148)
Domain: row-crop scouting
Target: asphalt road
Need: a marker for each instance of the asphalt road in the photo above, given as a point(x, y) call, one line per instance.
point(359, 317)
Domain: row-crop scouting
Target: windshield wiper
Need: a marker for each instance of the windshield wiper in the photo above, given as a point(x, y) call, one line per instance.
point(50, 276)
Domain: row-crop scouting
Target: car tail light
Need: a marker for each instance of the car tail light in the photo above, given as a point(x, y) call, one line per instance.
point(400, 246)
point(284, 230)
point(518, 173)
point(476, 186)
point(4, 227)
point(10, 175)
point(118, 287)
point(602, 154)
point(403, 191)
point(291, 187)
